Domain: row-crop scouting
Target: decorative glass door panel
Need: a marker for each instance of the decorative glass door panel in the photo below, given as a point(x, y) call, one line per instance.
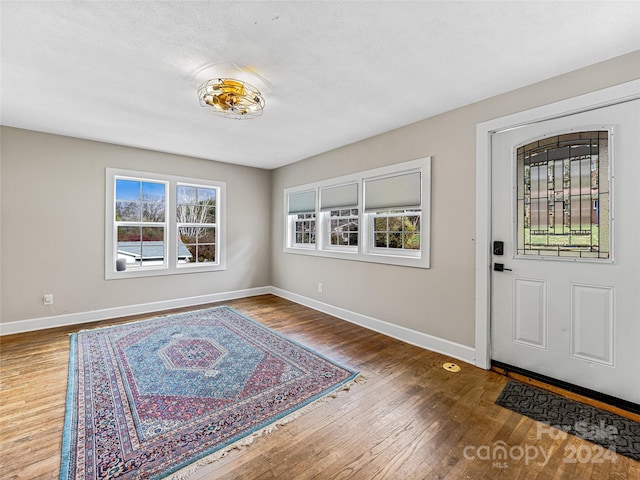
point(577, 320)
point(563, 196)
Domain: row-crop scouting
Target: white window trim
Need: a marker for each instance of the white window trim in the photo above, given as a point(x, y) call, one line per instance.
point(171, 266)
point(364, 252)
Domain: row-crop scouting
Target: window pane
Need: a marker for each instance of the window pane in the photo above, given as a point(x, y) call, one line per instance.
point(207, 204)
point(127, 190)
point(412, 223)
point(312, 231)
point(152, 234)
point(153, 212)
point(380, 224)
point(186, 195)
point(186, 213)
point(152, 192)
point(188, 235)
point(207, 235)
point(127, 211)
point(395, 240)
point(195, 214)
point(139, 201)
point(343, 227)
point(397, 231)
point(196, 204)
point(152, 246)
point(141, 246)
point(206, 253)
point(196, 244)
point(305, 229)
point(395, 224)
point(129, 234)
point(412, 241)
point(563, 196)
point(209, 214)
point(207, 195)
point(129, 245)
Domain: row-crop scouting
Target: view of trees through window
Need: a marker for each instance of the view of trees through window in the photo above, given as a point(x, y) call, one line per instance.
point(196, 219)
point(140, 212)
point(162, 225)
point(397, 229)
point(140, 220)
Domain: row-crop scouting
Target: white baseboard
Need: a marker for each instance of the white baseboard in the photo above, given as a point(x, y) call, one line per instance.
point(63, 320)
point(423, 340)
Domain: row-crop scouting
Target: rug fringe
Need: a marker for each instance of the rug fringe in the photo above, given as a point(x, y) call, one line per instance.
point(190, 469)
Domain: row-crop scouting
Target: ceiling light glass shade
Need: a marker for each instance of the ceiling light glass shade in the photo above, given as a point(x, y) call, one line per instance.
point(231, 98)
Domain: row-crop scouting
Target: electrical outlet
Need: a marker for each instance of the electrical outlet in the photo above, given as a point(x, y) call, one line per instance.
point(320, 287)
point(48, 299)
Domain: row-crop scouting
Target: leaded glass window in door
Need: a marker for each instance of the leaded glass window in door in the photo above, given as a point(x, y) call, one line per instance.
point(563, 196)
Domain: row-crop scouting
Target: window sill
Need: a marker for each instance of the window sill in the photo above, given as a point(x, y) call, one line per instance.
point(415, 261)
point(162, 272)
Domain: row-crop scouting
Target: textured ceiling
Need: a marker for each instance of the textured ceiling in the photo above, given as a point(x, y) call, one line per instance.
point(332, 73)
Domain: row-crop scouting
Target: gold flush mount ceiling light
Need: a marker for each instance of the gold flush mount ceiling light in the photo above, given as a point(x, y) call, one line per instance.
point(231, 98)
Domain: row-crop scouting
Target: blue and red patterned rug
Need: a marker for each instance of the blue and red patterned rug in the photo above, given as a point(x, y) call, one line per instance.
point(158, 398)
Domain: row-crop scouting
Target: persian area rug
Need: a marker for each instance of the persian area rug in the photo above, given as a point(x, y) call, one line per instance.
point(159, 398)
point(613, 432)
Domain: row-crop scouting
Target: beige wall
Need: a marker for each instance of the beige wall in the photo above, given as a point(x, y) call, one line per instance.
point(52, 219)
point(53, 226)
point(438, 301)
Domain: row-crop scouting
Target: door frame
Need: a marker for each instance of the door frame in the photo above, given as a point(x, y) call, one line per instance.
point(484, 132)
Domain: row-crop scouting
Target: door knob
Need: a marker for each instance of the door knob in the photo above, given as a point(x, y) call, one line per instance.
point(499, 267)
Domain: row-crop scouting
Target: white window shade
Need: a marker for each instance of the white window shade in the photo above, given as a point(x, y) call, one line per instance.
point(393, 192)
point(343, 196)
point(302, 202)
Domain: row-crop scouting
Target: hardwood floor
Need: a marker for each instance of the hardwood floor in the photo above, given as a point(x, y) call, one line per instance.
point(410, 420)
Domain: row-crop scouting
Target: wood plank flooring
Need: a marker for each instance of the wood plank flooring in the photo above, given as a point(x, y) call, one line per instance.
point(410, 420)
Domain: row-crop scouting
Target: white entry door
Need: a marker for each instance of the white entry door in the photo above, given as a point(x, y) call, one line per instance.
point(566, 205)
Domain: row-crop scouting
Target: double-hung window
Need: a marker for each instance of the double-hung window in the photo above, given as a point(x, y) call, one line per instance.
point(339, 214)
point(196, 222)
point(161, 224)
point(301, 210)
point(393, 204)
point(379, 215)
point(140, 223)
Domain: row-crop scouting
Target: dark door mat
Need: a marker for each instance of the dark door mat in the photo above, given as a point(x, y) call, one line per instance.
point(606, 429)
